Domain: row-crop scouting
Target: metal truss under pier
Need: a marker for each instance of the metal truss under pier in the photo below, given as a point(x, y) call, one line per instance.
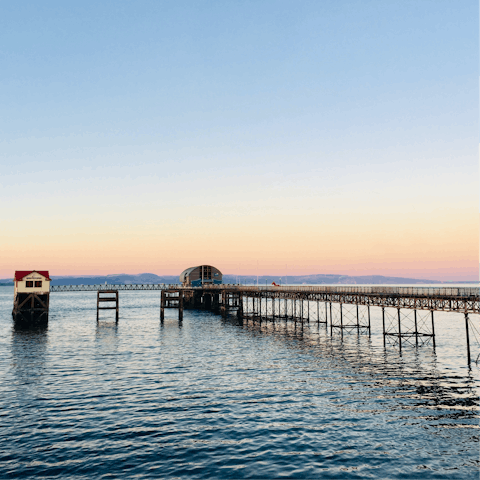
point(348, 308)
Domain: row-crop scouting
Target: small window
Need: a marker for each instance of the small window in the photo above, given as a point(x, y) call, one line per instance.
point(38, 283)
point(29, 283)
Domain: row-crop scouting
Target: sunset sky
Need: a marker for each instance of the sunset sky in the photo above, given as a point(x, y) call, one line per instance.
point(308, 136)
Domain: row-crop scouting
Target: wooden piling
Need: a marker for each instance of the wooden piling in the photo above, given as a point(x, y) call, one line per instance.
point(101, 299)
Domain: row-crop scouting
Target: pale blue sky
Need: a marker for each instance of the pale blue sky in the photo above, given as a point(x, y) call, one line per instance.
point(121, 108)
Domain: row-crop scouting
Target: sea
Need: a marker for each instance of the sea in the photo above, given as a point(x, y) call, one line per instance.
point(220, 398)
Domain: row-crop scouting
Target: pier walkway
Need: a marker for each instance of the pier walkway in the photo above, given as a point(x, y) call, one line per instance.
point(452, 299)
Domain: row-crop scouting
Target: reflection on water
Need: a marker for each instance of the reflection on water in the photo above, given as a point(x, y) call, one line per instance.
point(227, 398)
point(28, 349)
point(411, 374)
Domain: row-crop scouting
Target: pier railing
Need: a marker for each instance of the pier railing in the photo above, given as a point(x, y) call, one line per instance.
point(94, 288)
point(364, 290)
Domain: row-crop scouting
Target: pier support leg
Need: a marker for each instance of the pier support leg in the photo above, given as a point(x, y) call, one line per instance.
point(433, 331)
point(180, 306)
point(240, 306)
point(223, 304)
point(384, 333)
point(331, 321)
point(369, 327)
point(416, 327)
point(399, 331)
point(162, 306)
point(469, 360)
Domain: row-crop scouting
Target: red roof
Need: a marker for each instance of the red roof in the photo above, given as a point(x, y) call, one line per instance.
point(19, 274)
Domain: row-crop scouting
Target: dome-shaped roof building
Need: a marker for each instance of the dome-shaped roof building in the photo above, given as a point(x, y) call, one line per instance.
point(201, 275)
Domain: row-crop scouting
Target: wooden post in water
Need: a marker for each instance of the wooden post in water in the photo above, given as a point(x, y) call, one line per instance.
point(240, 306)
point(162, 305)
point(101, 298)
point(180, 305)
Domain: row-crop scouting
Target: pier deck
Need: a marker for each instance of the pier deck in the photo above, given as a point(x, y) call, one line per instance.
point(450, 299)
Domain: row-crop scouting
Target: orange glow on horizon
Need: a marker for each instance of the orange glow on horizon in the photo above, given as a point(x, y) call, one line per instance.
point(414, 249)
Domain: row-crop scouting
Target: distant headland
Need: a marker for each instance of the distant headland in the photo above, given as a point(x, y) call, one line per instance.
point(315, 279)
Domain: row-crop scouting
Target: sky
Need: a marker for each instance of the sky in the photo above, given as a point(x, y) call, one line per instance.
point(262, 137)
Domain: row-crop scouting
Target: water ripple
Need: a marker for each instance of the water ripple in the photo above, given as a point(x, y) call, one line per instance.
point(216, 398)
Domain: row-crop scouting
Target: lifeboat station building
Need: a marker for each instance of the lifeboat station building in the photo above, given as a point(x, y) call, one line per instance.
point(31, 281)
point(201, 275)
point(31, 296)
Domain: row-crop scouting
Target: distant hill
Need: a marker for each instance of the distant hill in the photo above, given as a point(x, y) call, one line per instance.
point(116, 279)
point(317, 279)
point(326, 279)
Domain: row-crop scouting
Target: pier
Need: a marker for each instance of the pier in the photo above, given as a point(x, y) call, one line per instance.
point(339, 308)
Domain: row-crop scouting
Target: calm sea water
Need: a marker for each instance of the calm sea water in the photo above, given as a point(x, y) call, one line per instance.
point(216, 398)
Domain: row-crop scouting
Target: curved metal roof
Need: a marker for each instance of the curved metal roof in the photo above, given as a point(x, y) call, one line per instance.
point(187, 272)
